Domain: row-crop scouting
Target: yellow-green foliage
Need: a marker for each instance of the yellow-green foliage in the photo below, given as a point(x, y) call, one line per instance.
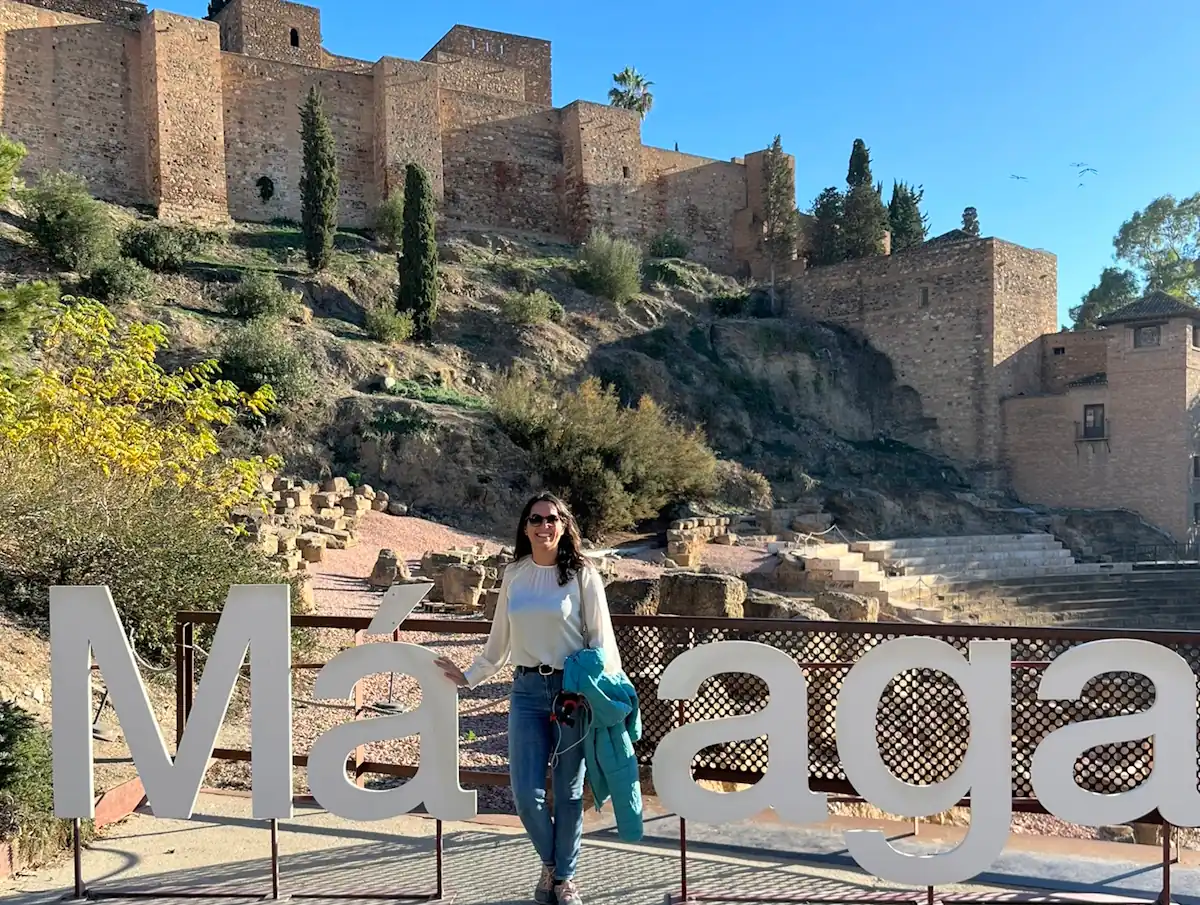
point(616, 465)
point(98, 397)
point(12, 155)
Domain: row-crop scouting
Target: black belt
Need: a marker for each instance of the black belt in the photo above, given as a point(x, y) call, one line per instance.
point(542, 670)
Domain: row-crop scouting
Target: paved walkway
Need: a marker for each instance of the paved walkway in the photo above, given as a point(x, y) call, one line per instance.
point(223, 849)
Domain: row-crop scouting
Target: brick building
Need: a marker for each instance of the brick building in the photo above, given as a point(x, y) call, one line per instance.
point(200, 120)
point(1115, 420)
point(1099, 419)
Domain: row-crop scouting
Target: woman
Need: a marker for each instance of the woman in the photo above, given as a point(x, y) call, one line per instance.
point(552, 604)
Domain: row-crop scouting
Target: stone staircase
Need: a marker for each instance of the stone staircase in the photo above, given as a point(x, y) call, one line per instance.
point(1144, 597)
point(917, 576)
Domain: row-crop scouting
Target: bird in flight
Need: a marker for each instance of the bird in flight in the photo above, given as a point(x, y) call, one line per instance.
point(1015, 176)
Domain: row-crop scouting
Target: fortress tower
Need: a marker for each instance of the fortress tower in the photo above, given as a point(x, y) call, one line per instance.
point(200, 119)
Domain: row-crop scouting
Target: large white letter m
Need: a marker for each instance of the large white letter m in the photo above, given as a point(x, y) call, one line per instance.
point(84, 621)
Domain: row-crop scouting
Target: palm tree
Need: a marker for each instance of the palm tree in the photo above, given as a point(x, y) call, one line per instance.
point(632, 91)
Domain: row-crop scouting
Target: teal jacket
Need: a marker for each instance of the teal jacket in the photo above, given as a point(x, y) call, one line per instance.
point(612, 724)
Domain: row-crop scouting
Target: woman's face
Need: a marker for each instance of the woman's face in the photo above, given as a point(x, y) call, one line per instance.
point(544, 527)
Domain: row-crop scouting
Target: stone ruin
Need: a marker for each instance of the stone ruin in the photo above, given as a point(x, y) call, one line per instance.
point(686, 538)
point(309, 518)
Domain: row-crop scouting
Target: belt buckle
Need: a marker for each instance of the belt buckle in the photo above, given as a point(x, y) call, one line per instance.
point(545, 670)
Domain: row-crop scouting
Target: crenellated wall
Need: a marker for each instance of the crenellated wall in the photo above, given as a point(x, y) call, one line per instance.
point(201, 119)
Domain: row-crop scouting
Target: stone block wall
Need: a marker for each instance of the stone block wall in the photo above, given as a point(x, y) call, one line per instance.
point(479, 77)
point(929, 312)
point(528, 54)
point(272, 30)
point(181, 78)
point(262, 101)
point(1067, 357)
point(73, 95)
point(602, 151)
point(694, 197)
point(128, 13)
point(503, 163)
point(407, 123)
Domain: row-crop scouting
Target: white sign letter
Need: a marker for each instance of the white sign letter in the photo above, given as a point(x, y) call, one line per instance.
point(435, 720)
point(1171, 721)
point(986, 770)
point(784, 720)
point(83, 620)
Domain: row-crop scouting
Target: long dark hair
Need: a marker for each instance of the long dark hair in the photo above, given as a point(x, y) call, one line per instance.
point(570, 545)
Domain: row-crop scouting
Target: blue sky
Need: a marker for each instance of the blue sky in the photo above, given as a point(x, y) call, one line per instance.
point(953, 95)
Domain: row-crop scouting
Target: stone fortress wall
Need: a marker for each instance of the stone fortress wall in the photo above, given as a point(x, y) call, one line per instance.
point(200, 120)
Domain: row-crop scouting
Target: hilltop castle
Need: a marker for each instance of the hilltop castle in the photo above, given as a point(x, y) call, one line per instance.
point(200, 119)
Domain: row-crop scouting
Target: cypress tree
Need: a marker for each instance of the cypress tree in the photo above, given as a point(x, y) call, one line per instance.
point(908, 225)
point(419, 261)
point(970, 223)
point(319, 182)
point(860, 165)
point(215, 7)
point(781, 226)
point(864, 218)
point(825, 237)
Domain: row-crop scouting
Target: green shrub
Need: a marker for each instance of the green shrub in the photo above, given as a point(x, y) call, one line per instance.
point(668, 245)
point(12, 155)
point(531, 308)
point(161, 247)
point(736, 485)
point(386, 325)
point(156, 549)
point(27, 787)
point(262, 353)
point(521, 277)
point(730, 305)
point(422, 392)
point(389, 221)
point(611, 267)
point(68, 224)
point(118, 280)
point(260, 294)
point(615, 465)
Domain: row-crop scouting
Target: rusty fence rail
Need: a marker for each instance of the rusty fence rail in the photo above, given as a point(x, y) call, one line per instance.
point(923, 723)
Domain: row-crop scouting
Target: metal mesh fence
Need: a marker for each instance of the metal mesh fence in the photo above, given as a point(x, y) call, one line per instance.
point(923, 724)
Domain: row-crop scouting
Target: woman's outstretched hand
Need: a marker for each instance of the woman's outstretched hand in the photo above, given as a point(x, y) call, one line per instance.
point(453, 673)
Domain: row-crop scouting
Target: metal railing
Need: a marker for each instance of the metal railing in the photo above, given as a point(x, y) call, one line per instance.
point(924, 747)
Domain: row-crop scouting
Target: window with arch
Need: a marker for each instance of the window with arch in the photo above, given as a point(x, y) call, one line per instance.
point(295, 37)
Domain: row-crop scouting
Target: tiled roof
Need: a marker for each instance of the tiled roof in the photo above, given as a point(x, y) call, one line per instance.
point(1154, 305)
point(1097, 379)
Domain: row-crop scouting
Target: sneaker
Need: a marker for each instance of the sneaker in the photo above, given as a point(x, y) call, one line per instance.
point(544, 893)
point(567, 894)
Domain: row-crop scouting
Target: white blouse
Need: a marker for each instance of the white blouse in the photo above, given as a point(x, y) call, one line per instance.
point(537, 621)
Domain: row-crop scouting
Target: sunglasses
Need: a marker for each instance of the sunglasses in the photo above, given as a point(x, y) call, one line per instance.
point(536, 519)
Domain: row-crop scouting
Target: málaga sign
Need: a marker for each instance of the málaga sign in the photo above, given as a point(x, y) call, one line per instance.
point(257, 619)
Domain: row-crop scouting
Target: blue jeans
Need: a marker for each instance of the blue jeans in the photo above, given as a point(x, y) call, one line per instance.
point(532, 740)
